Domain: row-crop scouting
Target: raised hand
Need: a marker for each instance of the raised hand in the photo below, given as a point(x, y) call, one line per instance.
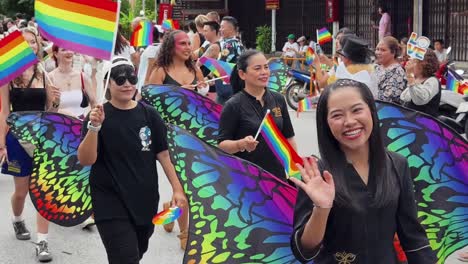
point(97, 115)
point(321, 190)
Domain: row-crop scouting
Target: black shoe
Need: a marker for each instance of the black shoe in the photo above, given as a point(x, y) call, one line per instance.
point(22, 233)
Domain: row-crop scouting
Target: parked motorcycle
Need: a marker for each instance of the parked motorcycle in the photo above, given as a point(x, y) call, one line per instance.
point(298, 87)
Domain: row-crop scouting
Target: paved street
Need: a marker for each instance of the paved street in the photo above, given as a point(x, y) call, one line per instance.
point(74, 246)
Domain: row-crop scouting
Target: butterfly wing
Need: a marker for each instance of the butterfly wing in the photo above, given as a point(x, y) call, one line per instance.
point(59, 186)
point(438, 159)
point(278, 75)
point(239, 212)
point(186, 109)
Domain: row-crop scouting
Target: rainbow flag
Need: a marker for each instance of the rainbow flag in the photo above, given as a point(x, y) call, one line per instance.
point(323, 36)
point(142, 36)
point(15, 57)
point(454, 84)
point(218, 68)
point(84, 26)
point(280, 147)
point(305, 105)
point(167, 24)
point(310, 56)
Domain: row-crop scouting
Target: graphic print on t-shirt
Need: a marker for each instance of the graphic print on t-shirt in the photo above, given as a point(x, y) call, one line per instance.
point(145, 136)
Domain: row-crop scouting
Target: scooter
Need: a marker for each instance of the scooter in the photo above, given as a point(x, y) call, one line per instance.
point(298, 87)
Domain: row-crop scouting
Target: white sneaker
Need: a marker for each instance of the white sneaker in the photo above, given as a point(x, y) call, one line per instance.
point(42, 251)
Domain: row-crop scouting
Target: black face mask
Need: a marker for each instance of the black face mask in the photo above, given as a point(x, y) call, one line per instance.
point(120, 80)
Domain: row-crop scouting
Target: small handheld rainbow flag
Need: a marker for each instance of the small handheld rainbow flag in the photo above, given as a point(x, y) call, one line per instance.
point(454, 84)
point(84, 26)
point(280, 147)
point(305, 105)
point(217, 67)
point(167, 25)
point(167, 216)
point(323, 36)
point(142, 36)
point(310, 56)
point(15, 57)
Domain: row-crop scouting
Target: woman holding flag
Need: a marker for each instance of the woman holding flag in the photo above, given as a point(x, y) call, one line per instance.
point(244, 112)
point(28, 92)
point(352, 216)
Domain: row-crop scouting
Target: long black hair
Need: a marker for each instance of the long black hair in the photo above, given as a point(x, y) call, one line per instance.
point(333, 158)
point(242, 63)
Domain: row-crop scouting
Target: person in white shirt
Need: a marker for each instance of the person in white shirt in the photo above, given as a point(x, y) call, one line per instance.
point(290, 48)
point(440, 51)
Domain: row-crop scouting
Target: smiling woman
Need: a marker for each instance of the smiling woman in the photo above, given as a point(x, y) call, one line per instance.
point(175, 66)
point(352, 202)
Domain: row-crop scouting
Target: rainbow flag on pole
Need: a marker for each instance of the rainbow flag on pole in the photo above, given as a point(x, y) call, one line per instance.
point(454, 84)
point(15, 57)
point(323, 36)
point(305, 105)
point(217, 67)
point(142, 36)
point(168, 24)
point(84, 26)
point(280, 147)
point(310, 56)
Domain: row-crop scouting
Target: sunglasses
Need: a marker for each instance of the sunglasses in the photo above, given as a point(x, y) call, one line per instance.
point(120, 80)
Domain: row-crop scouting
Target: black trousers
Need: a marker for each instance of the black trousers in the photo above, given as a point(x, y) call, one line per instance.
point(125, 243)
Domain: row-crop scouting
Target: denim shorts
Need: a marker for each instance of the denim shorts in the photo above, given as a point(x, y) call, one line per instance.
point(19, 162)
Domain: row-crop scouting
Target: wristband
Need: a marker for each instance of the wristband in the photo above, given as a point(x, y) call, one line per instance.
point(93, 128)
point(324, 207)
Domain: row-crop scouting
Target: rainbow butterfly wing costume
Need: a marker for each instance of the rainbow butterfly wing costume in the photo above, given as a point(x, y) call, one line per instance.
point(233, 223)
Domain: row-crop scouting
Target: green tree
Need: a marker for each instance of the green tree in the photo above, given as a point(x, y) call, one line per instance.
point(264, 39)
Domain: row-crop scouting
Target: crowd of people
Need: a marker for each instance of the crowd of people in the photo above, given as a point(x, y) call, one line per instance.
point(353, 160)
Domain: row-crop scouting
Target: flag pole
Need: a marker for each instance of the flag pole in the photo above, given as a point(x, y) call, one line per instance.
point(317, 33)
point(261, 124)
point(106, 86)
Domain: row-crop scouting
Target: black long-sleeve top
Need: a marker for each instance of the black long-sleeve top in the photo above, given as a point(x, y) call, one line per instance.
point(364, 234)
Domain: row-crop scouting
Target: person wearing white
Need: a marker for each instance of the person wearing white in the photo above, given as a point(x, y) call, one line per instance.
point(290, 47)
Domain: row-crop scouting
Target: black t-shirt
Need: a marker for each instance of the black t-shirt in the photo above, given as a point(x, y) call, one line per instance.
point(124, 179)
point(242, 115)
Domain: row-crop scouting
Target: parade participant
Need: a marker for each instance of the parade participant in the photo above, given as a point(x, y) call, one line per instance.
point(391, 77)
point(357, 179)
point(356, 63)
point(174, 64)
point(404, 58)
point(148, 58)
point(203, 45)
point(244, 111)
point(424, 91)
point(338, 39)
point(214, 16)
point(77, 89)
point(28, 92)
point(231, 49)
point(124, 49)
point(124, 178)
point(211, 32)
point(194, 36)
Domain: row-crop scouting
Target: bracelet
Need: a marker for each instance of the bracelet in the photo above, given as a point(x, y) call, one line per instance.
point(324, 207)
point(93, 128)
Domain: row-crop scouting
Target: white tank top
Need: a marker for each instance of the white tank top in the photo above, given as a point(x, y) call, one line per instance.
point(70, 103)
